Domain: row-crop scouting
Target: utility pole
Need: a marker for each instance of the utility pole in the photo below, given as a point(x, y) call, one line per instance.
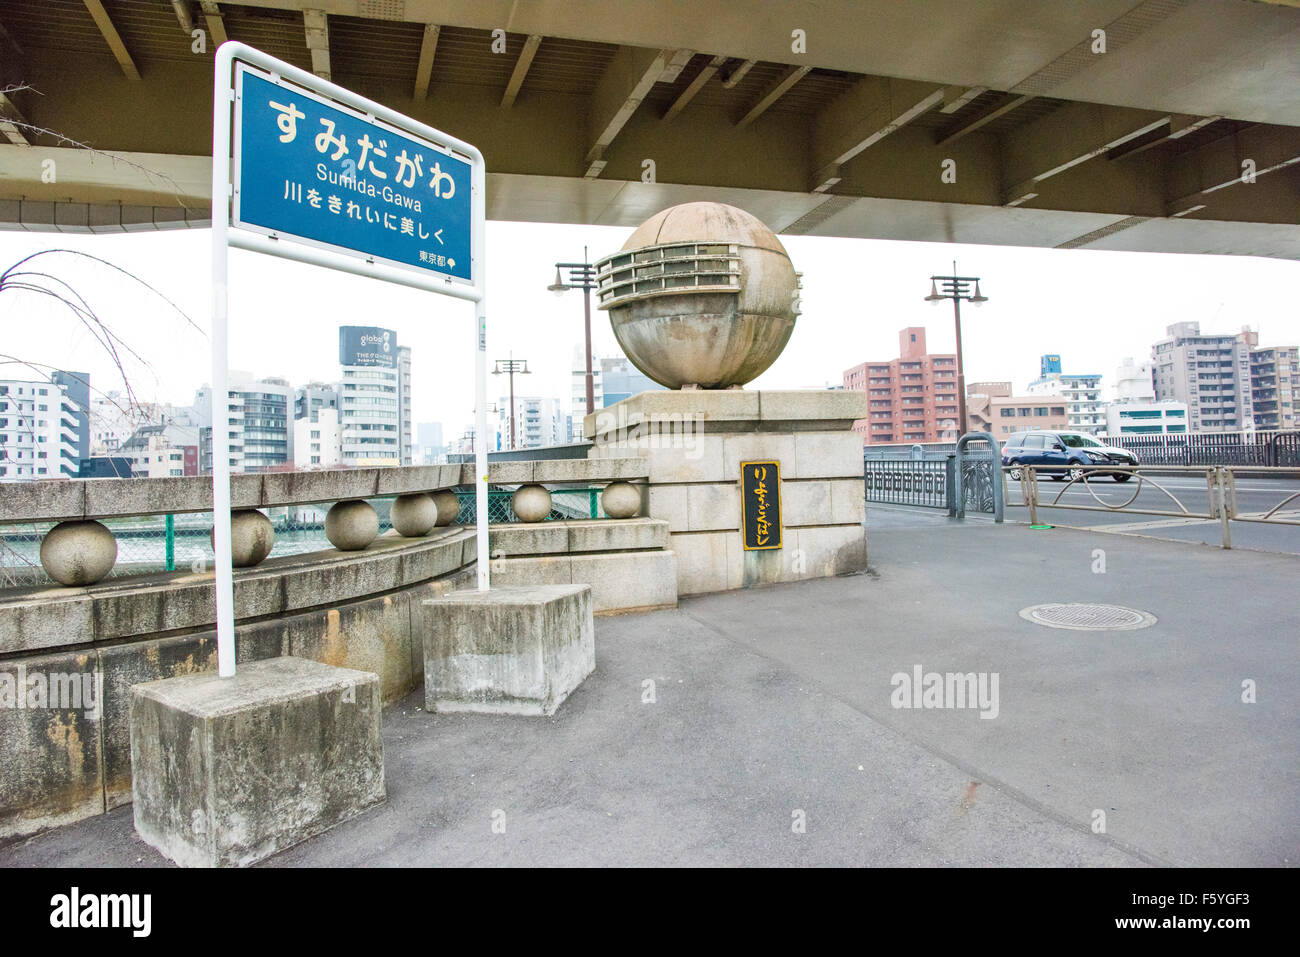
point(957, 288)
point(510, 367)
point(581, 276)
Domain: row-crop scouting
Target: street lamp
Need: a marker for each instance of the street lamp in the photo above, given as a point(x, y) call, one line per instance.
point(510, 367)
point(581, 276)
point(957, 288)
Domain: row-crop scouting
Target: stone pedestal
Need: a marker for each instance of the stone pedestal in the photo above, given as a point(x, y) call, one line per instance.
point(695, 441)
point(509, 650)
point(227, 771)
point(627, 561)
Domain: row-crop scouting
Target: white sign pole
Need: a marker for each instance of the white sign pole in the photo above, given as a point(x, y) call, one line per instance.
point(223, 572)
point(478, 241)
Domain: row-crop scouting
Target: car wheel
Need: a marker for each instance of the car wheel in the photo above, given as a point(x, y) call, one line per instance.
point(1076, 473)
point(1015, 472)
point(1123, 476)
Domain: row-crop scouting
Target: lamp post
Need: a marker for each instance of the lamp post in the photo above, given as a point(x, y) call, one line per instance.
point(957, 288)
point(581, 276)
point(510, 367)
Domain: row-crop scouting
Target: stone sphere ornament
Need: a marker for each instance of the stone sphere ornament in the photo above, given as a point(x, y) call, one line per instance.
point(252, 536)
point(701, 294)
point(531, 503)
point(620, 500)
point(414, 516)
point(78, 553)
point(448, 506)
point(351, 525)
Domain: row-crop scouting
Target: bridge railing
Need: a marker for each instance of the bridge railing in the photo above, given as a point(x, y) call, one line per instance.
point(76, 532)
point(1217, 501)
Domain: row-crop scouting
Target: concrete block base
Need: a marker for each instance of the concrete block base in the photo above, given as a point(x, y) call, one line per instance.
point(510, 650)
point(228, 771)
point(625, 561)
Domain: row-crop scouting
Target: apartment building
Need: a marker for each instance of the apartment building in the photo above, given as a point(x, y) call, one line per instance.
point(910, 399)
point(1210, 374)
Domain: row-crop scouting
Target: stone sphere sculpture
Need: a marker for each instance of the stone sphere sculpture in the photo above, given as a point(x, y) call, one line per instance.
point(448, 506)
point(701, 294)
point(252, 536)
point(620, 500)
point(414, 515)
point(351, 525)
point(78, 553)
point(531, 503)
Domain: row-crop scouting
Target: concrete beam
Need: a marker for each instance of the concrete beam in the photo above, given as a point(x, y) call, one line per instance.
point(184, 16)
point(735, 76)
point(772, 94)
point(701, 79)
point(428, 48)
point(1180, 125)
point(619, 91)
point(216, 22)
point(10, 119)
point(953, 133)
point(1065, 138)
point(1200, 177)
point(956, 97)
point(861, 117)
point(318, 41)
point(521, 69)
point(112, 37)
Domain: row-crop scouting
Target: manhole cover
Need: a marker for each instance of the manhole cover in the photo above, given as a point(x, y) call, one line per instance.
point(1082, 616)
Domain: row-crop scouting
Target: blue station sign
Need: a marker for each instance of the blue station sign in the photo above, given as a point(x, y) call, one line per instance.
point(307, 169)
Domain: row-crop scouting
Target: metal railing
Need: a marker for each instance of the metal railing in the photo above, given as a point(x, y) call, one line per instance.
point(1272, 449)
point(907, 481)
point(1218, 501)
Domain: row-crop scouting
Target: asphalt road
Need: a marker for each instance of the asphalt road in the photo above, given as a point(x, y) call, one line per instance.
point(1255, 496)
point(774, 706)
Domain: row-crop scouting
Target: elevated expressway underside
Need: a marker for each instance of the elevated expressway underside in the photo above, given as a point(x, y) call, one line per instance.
point(1046, 141)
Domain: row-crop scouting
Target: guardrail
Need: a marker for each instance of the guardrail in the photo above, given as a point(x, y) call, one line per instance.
point(70, 529)
point(1219, 502)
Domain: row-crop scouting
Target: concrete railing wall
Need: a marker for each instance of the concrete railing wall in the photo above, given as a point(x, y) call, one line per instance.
point(65, 760)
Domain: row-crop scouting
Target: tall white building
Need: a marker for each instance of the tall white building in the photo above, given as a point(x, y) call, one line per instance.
point(258, 418)
point(317, 440)
point(370, 398)
point(578, 392)
point(1133, 382)
point(404, 426)
point(539, 422)
point(38, 431)
point(1084, 409)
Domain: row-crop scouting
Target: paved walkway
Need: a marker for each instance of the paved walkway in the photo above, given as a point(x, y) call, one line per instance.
point(773, 705)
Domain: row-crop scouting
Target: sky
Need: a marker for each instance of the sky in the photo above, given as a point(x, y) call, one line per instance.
point(1094, 308)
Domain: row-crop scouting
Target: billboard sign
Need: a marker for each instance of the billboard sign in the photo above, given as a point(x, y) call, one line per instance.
point(310, 170)
point(367, 346)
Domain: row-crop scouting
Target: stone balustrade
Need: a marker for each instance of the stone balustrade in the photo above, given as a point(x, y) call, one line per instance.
point(80, 550)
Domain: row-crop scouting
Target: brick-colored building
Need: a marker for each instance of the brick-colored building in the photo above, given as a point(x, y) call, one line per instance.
point(910, 399)
point(990, 407)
